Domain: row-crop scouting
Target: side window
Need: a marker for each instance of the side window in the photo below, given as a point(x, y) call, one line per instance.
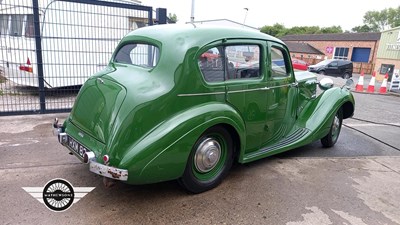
point(222, 63)
point(137, 54)
point(333, 64)
point(279, 67)
point(212, 65)
point(243, 61)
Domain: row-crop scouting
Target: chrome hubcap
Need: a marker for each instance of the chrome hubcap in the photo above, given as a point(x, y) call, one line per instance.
point(207, 155)
point(335, 126)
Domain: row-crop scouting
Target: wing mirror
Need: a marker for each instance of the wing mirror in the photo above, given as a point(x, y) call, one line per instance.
point(349, 83)
point(325, 83)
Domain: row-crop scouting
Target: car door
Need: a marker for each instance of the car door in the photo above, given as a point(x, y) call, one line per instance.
point(281, 95)
point(332, 68)
point(246, 86)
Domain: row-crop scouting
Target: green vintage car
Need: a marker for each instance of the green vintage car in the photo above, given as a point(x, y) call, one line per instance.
point(185, 102)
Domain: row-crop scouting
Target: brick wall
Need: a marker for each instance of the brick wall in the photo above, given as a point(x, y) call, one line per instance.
point(322, 46)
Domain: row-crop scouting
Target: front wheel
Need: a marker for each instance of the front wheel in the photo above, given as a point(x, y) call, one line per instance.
point(209, 162)
point(346, 76)
point(322, 72)
point(330, 139)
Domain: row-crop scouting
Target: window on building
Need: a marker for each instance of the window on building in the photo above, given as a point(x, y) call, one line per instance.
point(4, 24)
point(29, 26)
point(16, 25)
point(341, 53)
point(386, 68)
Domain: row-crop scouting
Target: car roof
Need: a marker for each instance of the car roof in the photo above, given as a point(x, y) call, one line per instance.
point(196, 34)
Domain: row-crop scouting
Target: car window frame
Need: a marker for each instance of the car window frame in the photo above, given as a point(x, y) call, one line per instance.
point(287, 60)
point(121, 45)
point(224, 43)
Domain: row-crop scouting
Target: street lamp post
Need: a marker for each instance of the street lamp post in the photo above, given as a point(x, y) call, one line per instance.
point(245, 16)
point(192, 14)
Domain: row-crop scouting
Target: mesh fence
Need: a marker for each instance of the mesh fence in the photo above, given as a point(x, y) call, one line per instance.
point(49, 48)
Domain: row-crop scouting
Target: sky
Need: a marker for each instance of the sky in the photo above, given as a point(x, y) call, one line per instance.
point(344, 13)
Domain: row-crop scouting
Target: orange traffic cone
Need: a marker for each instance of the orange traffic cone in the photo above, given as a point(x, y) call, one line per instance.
point(371, 86)
point(360, 84)
point(383, 88)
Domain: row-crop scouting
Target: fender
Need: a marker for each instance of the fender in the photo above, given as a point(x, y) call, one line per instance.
point(162, 153)
point(318, 115)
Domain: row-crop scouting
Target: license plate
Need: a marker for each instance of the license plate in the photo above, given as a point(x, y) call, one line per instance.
point(77, 147)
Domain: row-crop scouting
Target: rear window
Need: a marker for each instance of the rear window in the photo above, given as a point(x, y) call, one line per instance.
point(143, 55)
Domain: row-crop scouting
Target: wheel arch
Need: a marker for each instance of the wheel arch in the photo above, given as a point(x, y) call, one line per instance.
point(237, 147)
point(348, 110)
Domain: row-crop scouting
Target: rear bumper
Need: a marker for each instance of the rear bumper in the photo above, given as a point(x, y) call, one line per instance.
point(108, 171)
point(90, 158)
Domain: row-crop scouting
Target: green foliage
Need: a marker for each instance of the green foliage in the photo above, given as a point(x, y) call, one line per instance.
point(279, 30)
point(172, 18)
point(381, 20)
point(361, 29)
point(331, 30)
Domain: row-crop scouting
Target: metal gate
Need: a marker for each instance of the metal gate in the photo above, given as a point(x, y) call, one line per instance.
point(50, 47)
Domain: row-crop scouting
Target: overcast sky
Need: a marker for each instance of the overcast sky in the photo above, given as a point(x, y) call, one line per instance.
point(346, 13)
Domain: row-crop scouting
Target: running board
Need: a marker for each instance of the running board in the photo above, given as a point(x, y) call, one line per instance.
point(289, 140)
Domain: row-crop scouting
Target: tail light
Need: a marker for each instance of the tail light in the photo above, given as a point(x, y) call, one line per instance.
point(27, 67)
point(106, 159)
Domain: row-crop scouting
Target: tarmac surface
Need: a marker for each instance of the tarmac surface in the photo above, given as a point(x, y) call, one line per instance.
point(355, 182)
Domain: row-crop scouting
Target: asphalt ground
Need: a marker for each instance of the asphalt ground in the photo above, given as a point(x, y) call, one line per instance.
point(355, 182)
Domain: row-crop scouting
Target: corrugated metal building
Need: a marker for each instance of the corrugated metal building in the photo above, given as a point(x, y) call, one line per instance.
point(388, 55)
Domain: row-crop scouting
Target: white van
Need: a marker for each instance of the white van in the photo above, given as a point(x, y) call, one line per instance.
point(77, 39)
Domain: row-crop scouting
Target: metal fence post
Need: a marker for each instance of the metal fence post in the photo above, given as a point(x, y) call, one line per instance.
point(38, 41)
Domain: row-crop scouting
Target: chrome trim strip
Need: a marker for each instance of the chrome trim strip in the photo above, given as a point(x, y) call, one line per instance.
point(201, 94)
point(280, 86)
point(249, 90)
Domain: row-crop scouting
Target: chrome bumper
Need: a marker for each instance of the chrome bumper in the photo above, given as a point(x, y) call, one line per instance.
point(89, 157)
point(108, 171)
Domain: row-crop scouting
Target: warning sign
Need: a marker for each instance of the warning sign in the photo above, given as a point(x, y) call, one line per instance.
point(395, 84)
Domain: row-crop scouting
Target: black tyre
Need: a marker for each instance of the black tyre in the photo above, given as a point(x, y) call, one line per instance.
point(322, 72)
point(330, 139)
point(209, 162)
point(346, 76)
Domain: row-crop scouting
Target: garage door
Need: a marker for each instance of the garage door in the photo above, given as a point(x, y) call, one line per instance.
point(360, 54)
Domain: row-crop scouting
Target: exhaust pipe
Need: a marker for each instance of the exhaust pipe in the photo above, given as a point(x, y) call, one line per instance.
point(88, 156)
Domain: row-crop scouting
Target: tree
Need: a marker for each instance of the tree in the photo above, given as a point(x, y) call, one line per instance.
point(361, 29)
point(277, 30)
point(172, 18)
point(394, 17)
point(331, 30)
point(382, 20)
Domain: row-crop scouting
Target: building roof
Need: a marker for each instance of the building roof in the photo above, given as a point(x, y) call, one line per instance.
point(302, 48)
point(334, 37)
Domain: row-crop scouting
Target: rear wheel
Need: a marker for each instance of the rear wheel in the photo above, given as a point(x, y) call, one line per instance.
point(330, 139)
point(346, 76)
point(209, 162)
